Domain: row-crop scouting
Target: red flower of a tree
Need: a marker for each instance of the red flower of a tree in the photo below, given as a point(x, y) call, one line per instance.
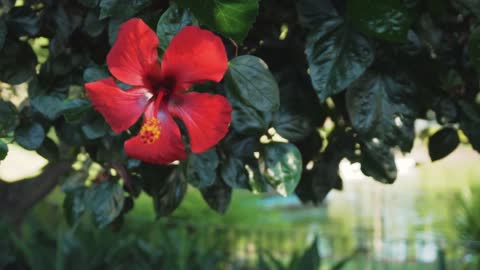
point(158, 91)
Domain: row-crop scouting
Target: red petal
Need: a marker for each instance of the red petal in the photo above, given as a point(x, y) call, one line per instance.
point(134, 55)
point(206, 117)
point(121, 109)
point(194, 56)
point(165, 148)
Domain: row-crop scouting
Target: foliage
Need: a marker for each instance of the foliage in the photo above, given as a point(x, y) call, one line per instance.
point(311, 82)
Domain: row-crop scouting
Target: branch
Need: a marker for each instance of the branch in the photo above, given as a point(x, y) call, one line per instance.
point(17, 198)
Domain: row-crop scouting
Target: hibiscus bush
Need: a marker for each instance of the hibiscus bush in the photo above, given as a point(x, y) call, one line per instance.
point(124, 97)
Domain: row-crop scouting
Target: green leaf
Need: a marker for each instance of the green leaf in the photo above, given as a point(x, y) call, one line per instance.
point(30, 136)
point(232, 18)
point(17, 62)
point(218, 196)
point(121, 8)
point(247, 120)
point(310, 260)
point(3, 32)
point(232, 172)
point(22, 21)
point(105, 201)
point(49, 106)
point(49, 150)
point(92, 25)
point(74, 110)
point(95, 73)
point(169, 196)
point(249, 79)
point(385, 19)
point(470, 123)
point(8, 118)
point(95, 129)
point(474, 48)
point(3, 150)
point(281, 164)
point(293, 127)
point(378, 162)
point(89, 3)
point(383, 107)
point(201, 169)
point(170, 23)
point(336, 54)
point(442, 143)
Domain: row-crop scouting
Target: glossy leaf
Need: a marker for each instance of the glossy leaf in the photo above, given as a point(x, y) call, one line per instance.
point(281, 164)
point(30, 136)
point(233, 173)
point(385, 19)
point(105, 200)
point(232, 18)
point(378, 162)
point(3, 150)
point(121, 8)
point(95, 129)
point(201, 169)
point(249, 79)
point(336, 54)
point(442, 143)
point(293, 127)
point(22, 21)
point(170, 23)
point(49, 150)
point(311, 258)
point(49, 106)
point(74, 110)
point(8, 118)
point(3, 32)
point(469, 123)
point(383, 107)
point(218, 196)
point(169, 196)
point(247, 120)
point(17, 62)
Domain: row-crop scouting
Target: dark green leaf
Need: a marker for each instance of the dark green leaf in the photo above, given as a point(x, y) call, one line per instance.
point(383, 107)
point(385, 19)
point(92, 25)
point(8, 118)
point(30, 136)
point(442, 143)
point(201, 169)
point(217, 196)
point(474, 48)
point(293, 127)
point(310, 260)
point(3, 150)
point(17, 62)
point(249, 79)
point(233, 173)
point(247, 120)
point(92, 74)
point(113, 26)
point(319, 181)
point(95, 129)
point(74, 206)
point(49, 106)
point(232, 18)
point(378, 162)
point(89, 3)
point(74, 110)
point(49, 150)
point(336, 54)
point(170, 23)
point(281, 164)
point(22, 21)
point(470, 123)
point(121, 8)
point(105, 201)
point(169, 196)
point(257, 182)
point(3, 32)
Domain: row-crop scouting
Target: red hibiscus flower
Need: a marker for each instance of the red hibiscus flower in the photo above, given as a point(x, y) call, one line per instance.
point(158, 91)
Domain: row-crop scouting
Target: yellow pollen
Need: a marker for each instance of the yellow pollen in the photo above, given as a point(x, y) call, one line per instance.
point(150, 131)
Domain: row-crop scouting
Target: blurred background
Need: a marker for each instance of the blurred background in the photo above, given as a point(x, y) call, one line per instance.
point(428, 219)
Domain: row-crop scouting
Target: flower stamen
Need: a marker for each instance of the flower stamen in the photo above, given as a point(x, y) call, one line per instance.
point(150, 131)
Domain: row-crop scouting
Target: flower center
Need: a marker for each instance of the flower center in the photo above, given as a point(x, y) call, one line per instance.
point(150, 131)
